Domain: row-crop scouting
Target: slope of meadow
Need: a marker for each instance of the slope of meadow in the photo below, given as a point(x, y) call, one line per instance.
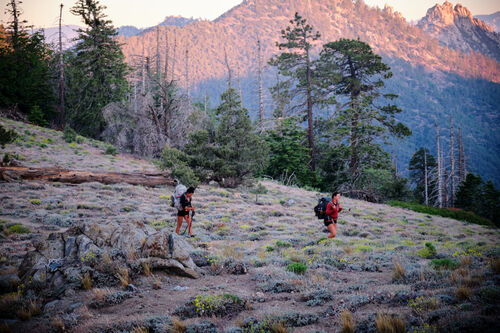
point(379, 263)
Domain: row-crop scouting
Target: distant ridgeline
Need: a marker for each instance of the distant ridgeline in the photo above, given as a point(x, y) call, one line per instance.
point(432, 81)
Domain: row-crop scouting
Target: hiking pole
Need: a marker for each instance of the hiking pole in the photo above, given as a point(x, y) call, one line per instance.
point(187, 226)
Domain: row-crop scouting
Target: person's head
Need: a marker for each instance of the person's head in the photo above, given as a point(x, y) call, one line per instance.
point(336, 196)
point(190, 191)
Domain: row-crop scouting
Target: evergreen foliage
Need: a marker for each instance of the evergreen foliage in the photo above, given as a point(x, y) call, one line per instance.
point(7, 136)
point(177, 162)
point(360, 122)
point(96, 71)
point(258, 190)
point(69, 134)
point(295, 63)
point(24, 67)
point(36, 116)
point(481, 198)
point(289, 154)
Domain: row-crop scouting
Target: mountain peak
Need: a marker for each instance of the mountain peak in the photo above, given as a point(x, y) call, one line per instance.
point(456, 28)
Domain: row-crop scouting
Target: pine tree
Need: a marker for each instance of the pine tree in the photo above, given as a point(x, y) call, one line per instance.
point(296, 64)
point(359, 74)
point(240, 152)
point(25, 78)
point(97, 70)
point(289, 154)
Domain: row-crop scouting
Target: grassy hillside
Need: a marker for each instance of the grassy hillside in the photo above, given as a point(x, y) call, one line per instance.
point(265, 265)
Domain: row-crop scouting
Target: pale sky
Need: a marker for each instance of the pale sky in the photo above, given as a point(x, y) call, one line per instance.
point(146, 13)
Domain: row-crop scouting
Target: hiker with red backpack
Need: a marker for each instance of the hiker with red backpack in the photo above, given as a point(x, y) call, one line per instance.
point(328, 210)
point(332, 212)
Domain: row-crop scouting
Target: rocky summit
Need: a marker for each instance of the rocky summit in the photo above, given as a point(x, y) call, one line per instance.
point(454, 27)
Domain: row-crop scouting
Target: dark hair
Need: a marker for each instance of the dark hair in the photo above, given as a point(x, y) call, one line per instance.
point(335, 193)
point(190, 189)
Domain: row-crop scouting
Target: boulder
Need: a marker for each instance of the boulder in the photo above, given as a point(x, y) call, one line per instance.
point(64, 258)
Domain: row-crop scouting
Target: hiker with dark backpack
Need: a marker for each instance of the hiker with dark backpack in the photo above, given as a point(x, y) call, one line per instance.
point(332, 212)
point(183, 204)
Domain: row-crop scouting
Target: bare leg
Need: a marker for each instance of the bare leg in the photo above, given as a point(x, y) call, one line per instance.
point(333, 230)
point(179, 224)
point(190, 224)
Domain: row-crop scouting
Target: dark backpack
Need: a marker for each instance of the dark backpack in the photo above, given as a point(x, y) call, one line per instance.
point(320, 208)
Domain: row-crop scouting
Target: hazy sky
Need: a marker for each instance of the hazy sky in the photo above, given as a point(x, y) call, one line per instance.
point(145, 13)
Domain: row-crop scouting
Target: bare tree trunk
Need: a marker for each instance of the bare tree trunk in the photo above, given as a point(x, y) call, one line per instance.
point(446, 193)
point(440, 175)
point(452, 164)
point(61, 74)
point(310, 129)
point(174, 59)
point(461, 158)
point(143, 89)
point(426, 180)
point(187, 76)
point(261, 104)
point(228, 69)
point(239, 85)
point(15, 25)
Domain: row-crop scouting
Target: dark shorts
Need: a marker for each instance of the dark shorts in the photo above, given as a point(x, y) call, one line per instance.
point(182, 213)
point(328, 222)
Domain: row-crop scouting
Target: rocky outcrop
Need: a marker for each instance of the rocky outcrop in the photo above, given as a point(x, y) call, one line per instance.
point(101, 250)
point(455, 28)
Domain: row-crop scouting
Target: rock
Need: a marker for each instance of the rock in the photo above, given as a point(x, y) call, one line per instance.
point(74, 306)
point(8, 283)
point(131, 288)
point(289, 203)
point(213, 183)
point(62, 260)
point(179, 288)
point(203, 327)
point(51, 306)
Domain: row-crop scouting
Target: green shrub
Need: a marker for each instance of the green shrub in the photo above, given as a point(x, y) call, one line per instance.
point(36, 116)
point(80, 139)
point(283, 244)
point(69, 134)
point(456, 214)
point(35, 201)
point(444, 263)
point(177, 162)
point(111, 150)
point(428, 251)
point(18, 229)
point(7, 136)
point(297, 268)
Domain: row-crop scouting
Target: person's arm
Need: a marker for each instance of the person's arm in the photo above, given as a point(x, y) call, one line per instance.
point(184, 203)
point(339, 206)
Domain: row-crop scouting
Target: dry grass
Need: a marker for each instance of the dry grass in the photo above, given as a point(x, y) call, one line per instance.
point(58, 324)
point(230, 251)
point(10, 303)
point(99, 293)
point(132, 254)
point(177, 326)
point(463, 293)
point(23, 314)
point(463, 271)
point(399, 271)
point(156, 283)
point(386, 323)
point(278, 328)
point(123, 276)
point(465, 261)
point(86, 281)
point(106, 258)
point(495, 265)
point(4, 328)
point(147, 268)
point(317, 278)
point(348, 250)
point(347, 322)
point(140, 330)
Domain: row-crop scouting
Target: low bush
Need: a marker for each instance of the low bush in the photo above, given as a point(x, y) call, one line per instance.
point(456, 214)
point(444, 263)
point(7, 136)
point(111, 150)
point(297, 268)
point(69, 134)
point(428, 251)
point(18, 229)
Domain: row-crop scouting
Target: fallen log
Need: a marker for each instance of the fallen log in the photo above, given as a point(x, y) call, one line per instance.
point(10, 173)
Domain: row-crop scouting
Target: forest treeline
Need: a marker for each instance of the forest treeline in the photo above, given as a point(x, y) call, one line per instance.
point(140, 108)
